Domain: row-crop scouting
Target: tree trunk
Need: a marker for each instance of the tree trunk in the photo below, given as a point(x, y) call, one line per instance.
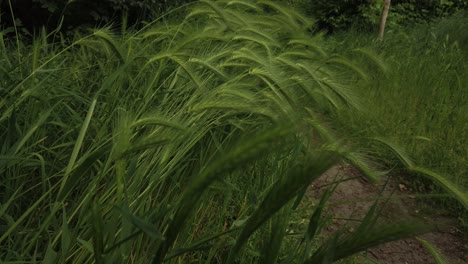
point(383, 18)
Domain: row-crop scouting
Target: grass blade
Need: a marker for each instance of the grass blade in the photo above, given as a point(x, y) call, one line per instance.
point(281, 193)
point(435, 253)
point(76, 149)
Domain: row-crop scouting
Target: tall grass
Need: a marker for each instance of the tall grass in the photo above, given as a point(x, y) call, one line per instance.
point(418, 97)
point(178, 143)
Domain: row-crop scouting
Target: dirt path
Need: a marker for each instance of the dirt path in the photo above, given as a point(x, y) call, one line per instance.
point(353, 198)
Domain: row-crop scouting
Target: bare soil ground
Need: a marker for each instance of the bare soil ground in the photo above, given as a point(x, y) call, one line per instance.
point(354, 197)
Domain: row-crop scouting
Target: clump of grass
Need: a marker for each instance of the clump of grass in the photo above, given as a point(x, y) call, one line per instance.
point(176, 143)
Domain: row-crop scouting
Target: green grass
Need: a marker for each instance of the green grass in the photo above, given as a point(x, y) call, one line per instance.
point(418, 96)
point(184, 142)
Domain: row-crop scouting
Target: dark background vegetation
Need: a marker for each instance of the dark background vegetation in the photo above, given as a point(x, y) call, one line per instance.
point(330, 15)
point(32, 15)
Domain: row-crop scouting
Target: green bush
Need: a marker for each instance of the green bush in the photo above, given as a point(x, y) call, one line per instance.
point(410, 12)
point(336, 15)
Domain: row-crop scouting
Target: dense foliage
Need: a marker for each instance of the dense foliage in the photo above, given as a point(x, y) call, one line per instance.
point(179, 143)
point(339, 15)
point(411, 12)
point(330, 15)
point(31, 15)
